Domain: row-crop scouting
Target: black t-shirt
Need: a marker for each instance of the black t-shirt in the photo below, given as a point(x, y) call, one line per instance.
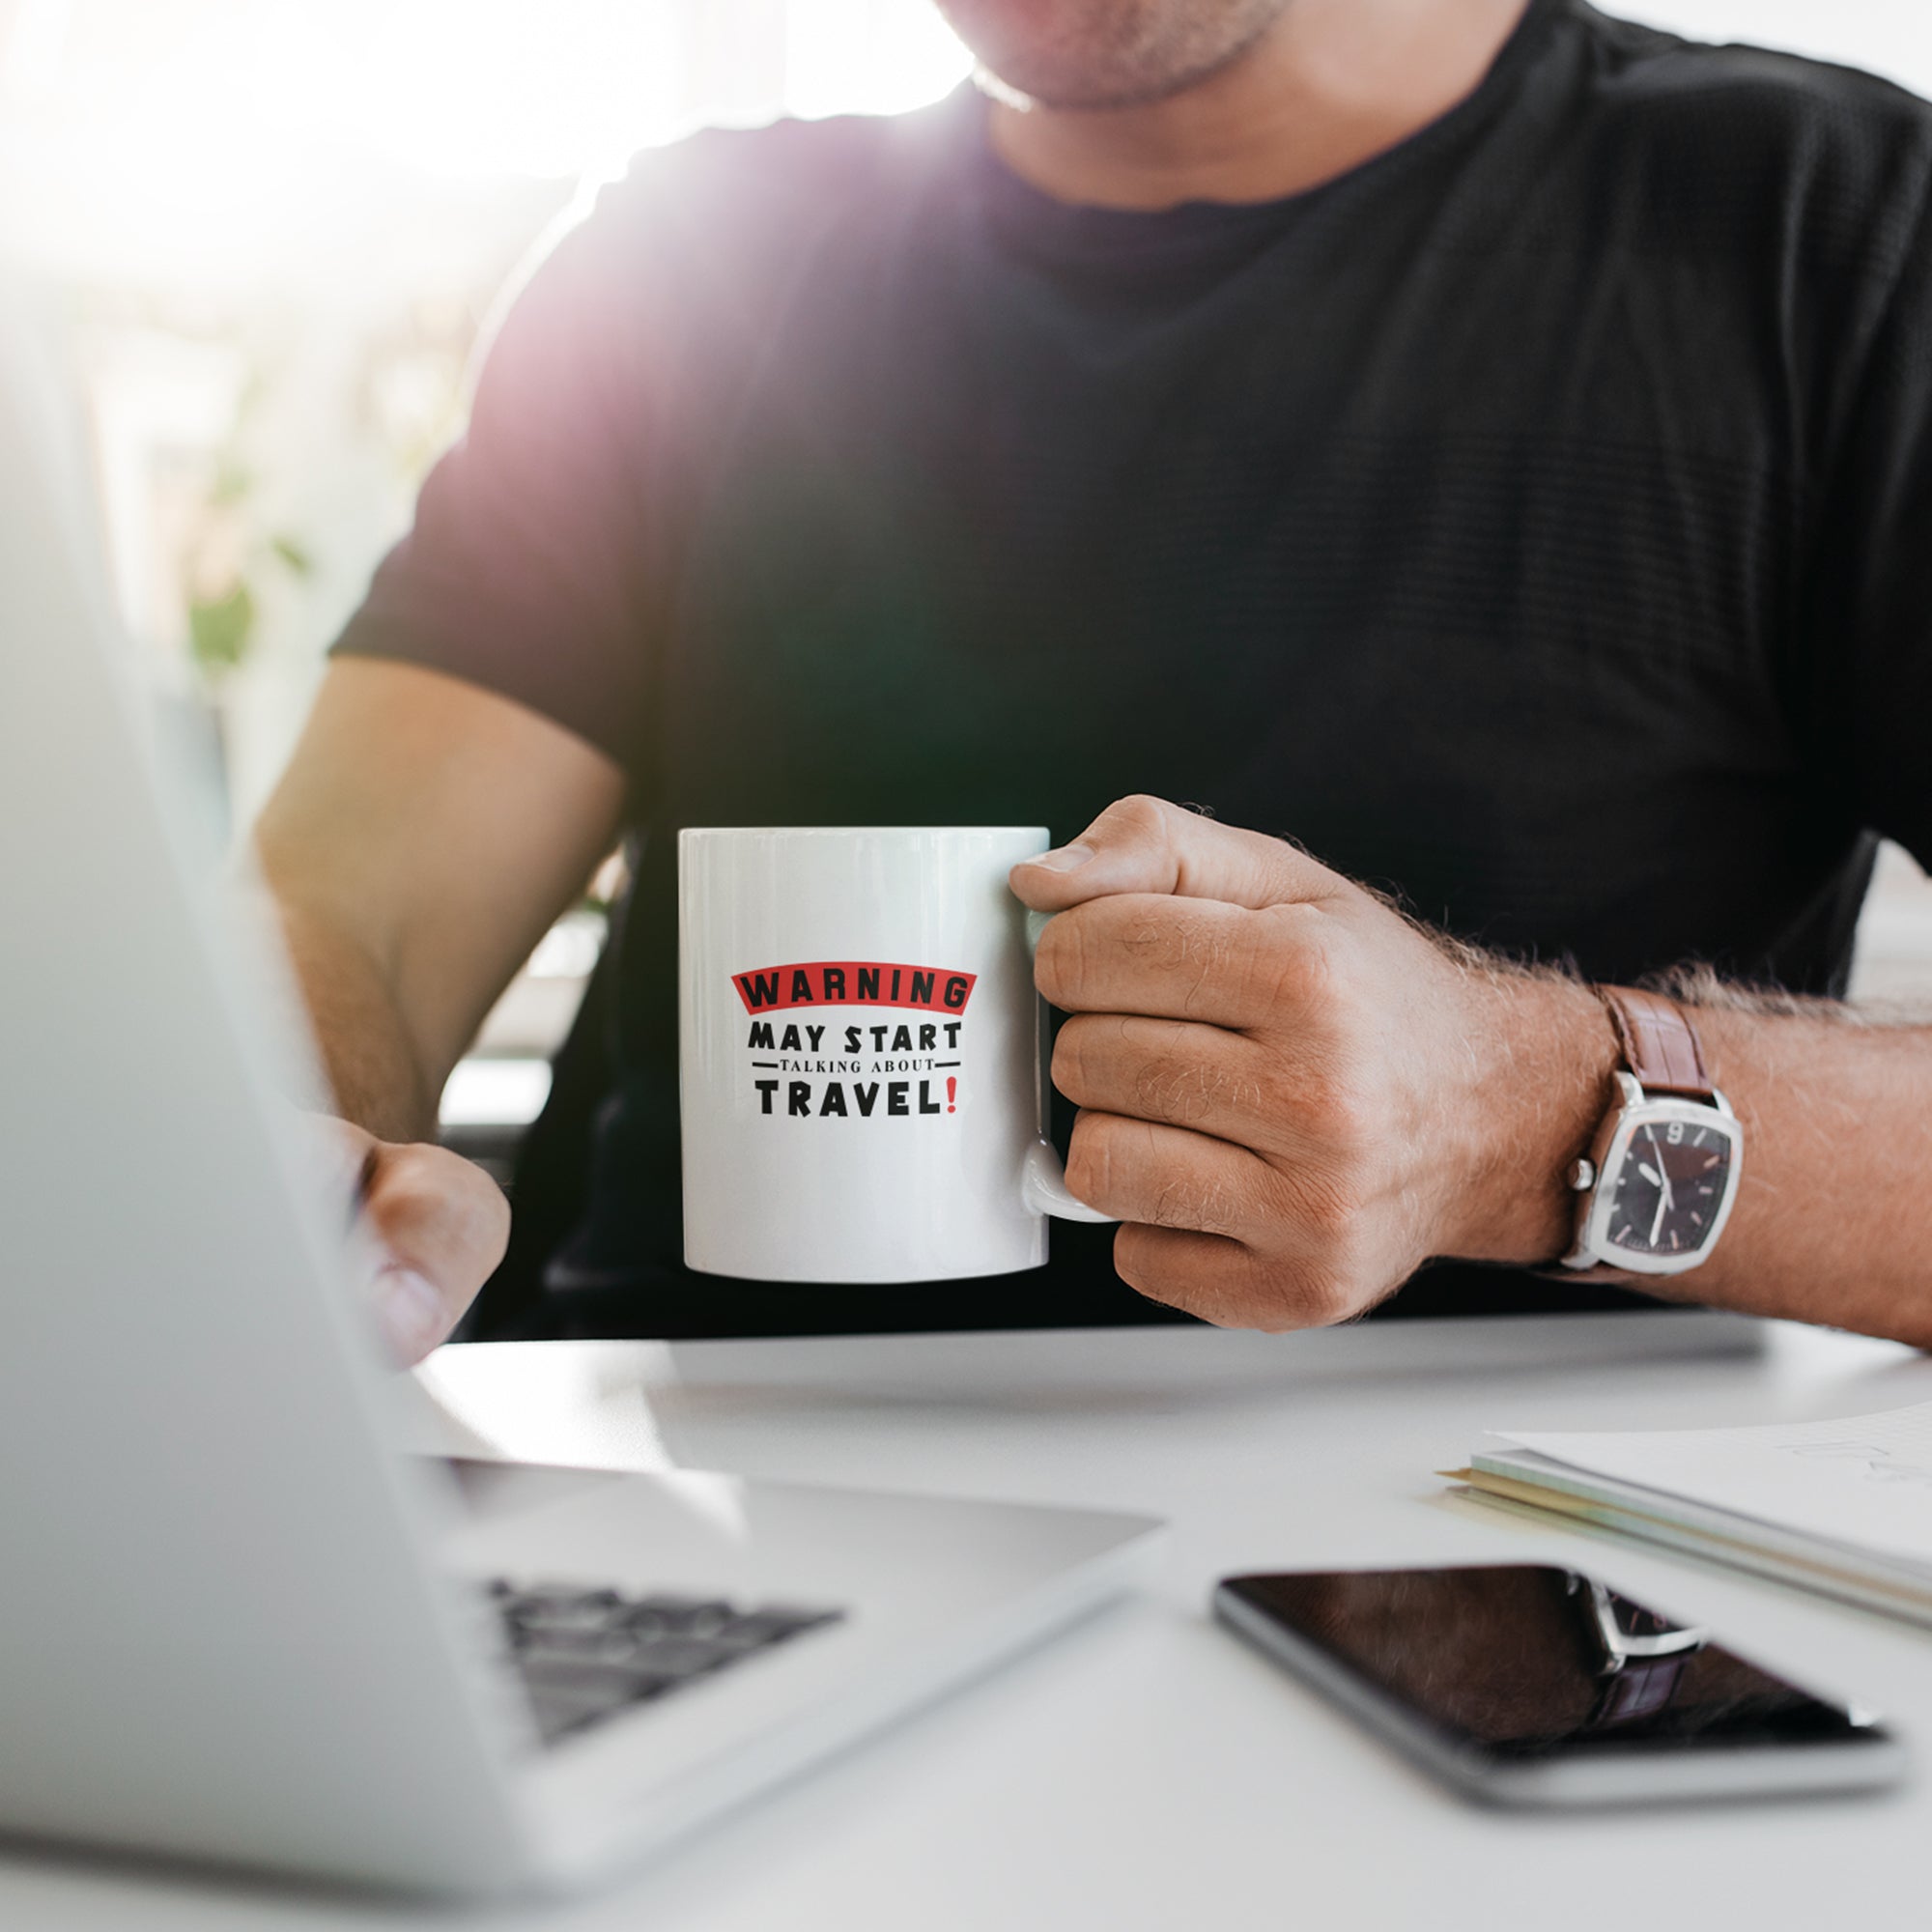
point(1533, 521)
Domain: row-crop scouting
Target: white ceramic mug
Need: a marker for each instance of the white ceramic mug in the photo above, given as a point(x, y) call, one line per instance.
point(859, 1056)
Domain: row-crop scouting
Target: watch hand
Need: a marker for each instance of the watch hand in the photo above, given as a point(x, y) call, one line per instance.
point(1661, 1177)
point(1650, 1173)
point(1662, 1187)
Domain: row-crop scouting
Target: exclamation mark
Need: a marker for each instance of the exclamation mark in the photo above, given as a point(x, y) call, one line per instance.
point(952, 1092)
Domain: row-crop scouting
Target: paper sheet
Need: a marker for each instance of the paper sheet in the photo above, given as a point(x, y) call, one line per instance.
point(1864, 1481)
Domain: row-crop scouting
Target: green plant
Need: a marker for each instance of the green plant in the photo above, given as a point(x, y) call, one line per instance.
point(225, 556)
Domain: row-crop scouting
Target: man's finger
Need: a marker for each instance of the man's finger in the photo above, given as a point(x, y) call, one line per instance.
point(1219, 1281)
point(341, 1152)
point(442, 1225)
point(1182, 1074)
point(1142, 1171)
point(1182, 959)
point(1146, 845)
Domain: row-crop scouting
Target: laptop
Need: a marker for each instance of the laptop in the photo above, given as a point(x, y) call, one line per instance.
point(240, 1624)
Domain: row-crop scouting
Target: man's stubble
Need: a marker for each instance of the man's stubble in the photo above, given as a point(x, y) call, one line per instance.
point(1107, 53)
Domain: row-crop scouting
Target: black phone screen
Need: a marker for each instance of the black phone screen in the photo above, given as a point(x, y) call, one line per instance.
point(1529, 1662)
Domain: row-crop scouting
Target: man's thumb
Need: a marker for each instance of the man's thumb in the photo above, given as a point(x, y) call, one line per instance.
point(1144, 844)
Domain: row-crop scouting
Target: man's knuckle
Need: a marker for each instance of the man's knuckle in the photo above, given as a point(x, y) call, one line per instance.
point(1070, 1072)
point(1286, 969)
point(1332, 1110)
point(1328, 1210)
point(1058, 960)
point(422, 1163)
point(1302, 960)
point(1090, 1159)
point(408, 1184)
point(1139, 814)
point(426, 1194)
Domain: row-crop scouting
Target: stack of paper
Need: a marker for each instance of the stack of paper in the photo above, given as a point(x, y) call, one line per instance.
point(1840, 1507)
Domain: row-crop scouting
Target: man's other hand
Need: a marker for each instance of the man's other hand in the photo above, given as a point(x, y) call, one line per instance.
point(439, 1224)
point(1291, 1096)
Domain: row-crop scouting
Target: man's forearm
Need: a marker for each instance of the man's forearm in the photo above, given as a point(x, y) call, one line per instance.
point(375, 1070)
point(425, 834)
point(1834, 1218)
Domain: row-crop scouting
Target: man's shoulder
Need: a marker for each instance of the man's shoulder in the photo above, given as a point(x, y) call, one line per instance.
point(1750, 133)
point(1649, 67)
point(771, 185)
point(1753, 101)
point(687, 258)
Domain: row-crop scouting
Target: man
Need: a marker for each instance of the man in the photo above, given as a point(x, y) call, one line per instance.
point(1485, 443)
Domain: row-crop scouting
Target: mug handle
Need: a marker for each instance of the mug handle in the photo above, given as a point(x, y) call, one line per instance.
point(1044, 1186)
point(1042, 1178)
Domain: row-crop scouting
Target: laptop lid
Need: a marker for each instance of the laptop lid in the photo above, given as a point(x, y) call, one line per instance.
point(223, 1633)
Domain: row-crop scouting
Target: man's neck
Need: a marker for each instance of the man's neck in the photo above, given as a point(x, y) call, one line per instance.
point(1331, 84)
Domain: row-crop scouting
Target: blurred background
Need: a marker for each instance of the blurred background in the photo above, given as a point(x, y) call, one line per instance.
point(274, 228)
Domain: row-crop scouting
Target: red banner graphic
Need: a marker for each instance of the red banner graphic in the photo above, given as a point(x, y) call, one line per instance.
point(854, 982)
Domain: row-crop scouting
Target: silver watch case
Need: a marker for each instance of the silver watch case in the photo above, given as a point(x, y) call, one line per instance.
point(1604, 1168)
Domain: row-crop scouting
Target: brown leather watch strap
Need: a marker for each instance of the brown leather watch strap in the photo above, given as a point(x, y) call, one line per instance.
point(1660, 1046)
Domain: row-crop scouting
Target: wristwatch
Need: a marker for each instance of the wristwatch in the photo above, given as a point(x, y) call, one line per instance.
point(1657, 1186)
point(1643, 1654)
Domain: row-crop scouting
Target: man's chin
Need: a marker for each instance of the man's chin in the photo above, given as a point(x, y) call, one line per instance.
point(1094, 55)
point(1086, 95)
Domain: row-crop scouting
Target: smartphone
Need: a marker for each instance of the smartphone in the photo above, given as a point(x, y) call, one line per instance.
point(1526, 1685)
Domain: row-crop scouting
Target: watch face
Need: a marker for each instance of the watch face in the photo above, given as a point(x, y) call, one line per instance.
point(1669, 1187)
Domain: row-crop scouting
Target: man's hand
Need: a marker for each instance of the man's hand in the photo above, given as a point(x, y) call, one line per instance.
point(439, 1224)
point(423, 837)
point(1290, 1094)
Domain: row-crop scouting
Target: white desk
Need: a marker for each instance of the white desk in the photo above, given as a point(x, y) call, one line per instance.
point(1145, 1771)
